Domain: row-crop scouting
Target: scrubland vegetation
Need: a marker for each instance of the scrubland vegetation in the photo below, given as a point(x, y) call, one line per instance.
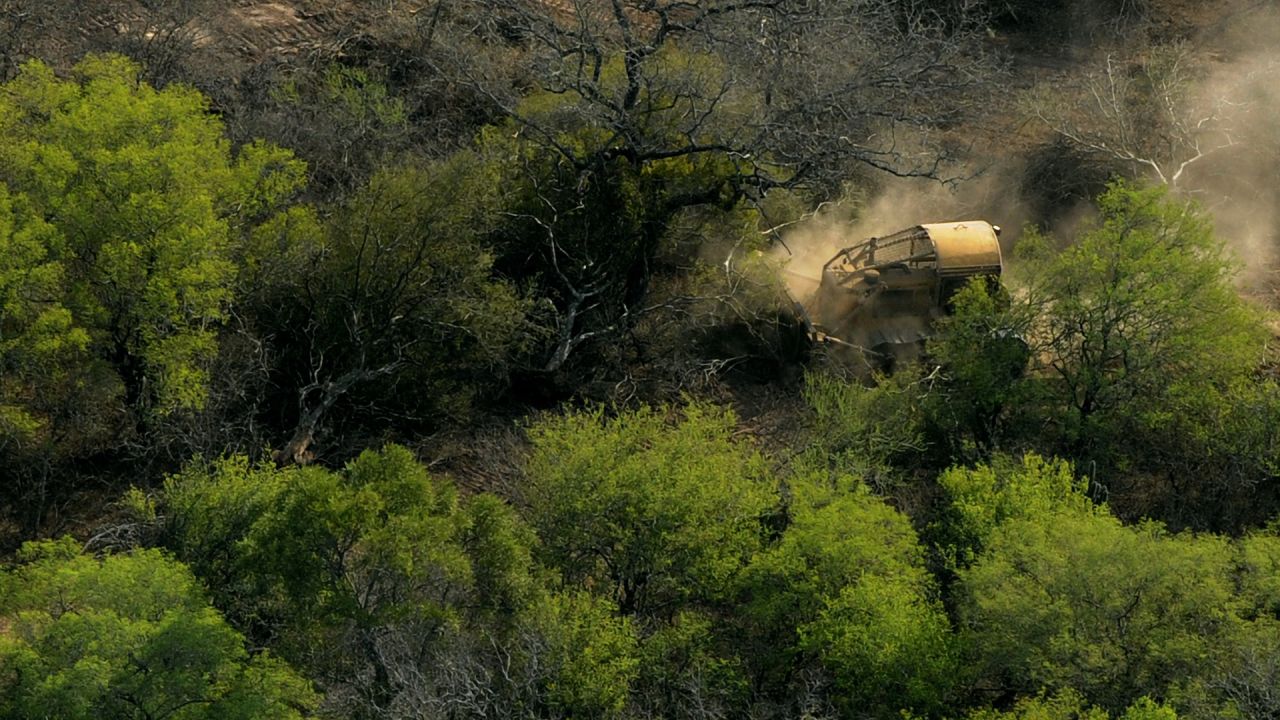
point(443, 367)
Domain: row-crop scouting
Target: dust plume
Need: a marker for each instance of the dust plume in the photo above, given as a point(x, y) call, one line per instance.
point(1199, 114)
point(897, 205)
point(1240, 183)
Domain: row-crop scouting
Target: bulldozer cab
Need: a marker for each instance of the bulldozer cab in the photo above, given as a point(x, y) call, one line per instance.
point(882, 295)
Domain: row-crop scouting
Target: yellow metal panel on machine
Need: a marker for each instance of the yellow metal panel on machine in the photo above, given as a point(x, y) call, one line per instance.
point(965, 248)
point(879, 298)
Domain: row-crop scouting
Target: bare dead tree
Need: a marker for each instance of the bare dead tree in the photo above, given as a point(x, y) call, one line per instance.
point(747, 96)
point(1144, 111)
point(793, 91)
point(30, 28)
point(171, 39)
point(1251, 675)
point(317, 397)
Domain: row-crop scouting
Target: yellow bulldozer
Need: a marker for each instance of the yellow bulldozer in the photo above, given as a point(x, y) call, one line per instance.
point(879, 299)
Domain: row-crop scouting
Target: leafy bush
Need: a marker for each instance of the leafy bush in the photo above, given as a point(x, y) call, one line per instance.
point(651, 513)
point(129, 636)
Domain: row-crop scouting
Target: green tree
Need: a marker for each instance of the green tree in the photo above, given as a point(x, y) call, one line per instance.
point(121, 211)
point(1258, 558)
point(876, 433)
point(1240, 676)
point(652, 513)
point(983, 498)
point(587, 230)
point(845, 589)
point(688, 671)
point(591, 655)
point(1137, 320)
point(1066, 600)
point(1210, 451)
point(392, 307)
point(1097, 612)
point(41, 345)
point(128, 636)
point(394, 592)
point(208, 511)
point(316, 554)
point(143, 198)
point(343, 120)
point(983, 356)
point(350, 544)
point(1069, 705)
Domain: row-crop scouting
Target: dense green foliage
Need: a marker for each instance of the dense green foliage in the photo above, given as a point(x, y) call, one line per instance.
point(372, 301)
point(656, 517)
point(1084, 603)
point(1137, 319)
point(123, 205)
point(656, 565)
point(474, 392)
point(845, 590)
point(1129, 351)
point(130, 636)
point(379, 578)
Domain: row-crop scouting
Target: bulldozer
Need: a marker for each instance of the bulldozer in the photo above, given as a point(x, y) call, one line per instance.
point(879, 299)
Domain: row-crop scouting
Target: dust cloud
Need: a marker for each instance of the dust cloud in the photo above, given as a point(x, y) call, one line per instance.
point(1234, 93)
point(898, 205)
point(1240, 184)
